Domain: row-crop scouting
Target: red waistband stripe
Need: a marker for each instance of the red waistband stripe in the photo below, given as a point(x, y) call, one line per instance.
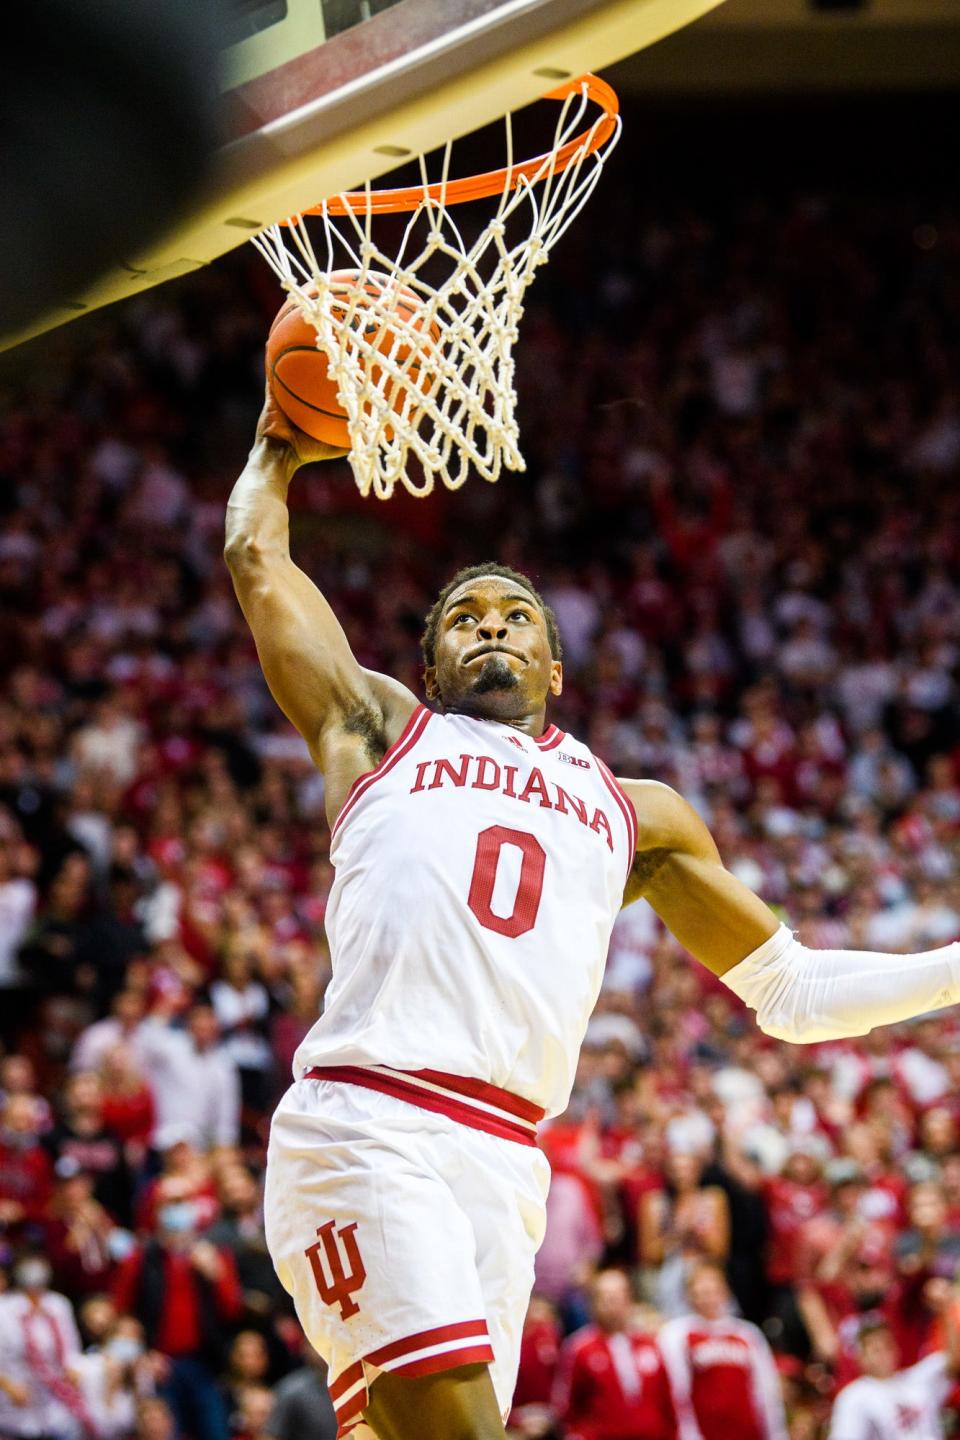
point(470, 1102)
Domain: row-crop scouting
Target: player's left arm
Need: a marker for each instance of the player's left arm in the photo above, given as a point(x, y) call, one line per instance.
point(799, 995)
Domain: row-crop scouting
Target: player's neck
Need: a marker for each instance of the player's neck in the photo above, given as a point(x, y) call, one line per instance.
point(534, 724)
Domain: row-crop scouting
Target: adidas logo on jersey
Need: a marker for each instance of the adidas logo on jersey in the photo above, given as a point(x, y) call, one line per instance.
point(573, 760)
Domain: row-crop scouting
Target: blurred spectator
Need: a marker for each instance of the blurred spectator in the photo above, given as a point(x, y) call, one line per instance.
point(532, 1414)
point(611, 1383)
point(81, 1136)
point(26, 1172)
point(79, 1235)
point(185, 1292)
point(39, 1348)
point(680, 1224)
point(98, 1039)
point(239, 1229)
point(193, 1078)
point(241, 1006)
point(887, 1403)
point(113, 1376)
point(722, 1374)
point(185, 1174)
point(302, 1408)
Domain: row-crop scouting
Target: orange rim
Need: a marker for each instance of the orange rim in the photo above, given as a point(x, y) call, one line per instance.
point(477, 187)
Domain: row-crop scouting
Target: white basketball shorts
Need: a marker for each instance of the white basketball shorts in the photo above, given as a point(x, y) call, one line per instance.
point(405, 1236)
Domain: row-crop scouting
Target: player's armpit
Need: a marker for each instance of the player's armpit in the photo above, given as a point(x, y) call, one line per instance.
point(679, 871)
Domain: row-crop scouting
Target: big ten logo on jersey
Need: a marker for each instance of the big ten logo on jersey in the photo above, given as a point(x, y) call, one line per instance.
point(337, 1267)
point(482, 772)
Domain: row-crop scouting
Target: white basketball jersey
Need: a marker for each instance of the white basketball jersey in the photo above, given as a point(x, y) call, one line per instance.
point(478, 875)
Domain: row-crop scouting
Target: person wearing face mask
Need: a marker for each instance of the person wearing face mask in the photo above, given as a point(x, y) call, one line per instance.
point(114, 1377)
point(39, 1349)
point(185, 1292)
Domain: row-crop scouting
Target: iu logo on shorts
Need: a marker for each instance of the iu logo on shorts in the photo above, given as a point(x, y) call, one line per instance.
point(339, 1270)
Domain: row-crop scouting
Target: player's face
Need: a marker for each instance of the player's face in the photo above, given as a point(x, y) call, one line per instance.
point(493, 655)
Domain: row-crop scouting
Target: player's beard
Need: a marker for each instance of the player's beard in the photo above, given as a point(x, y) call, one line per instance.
point(495, 674)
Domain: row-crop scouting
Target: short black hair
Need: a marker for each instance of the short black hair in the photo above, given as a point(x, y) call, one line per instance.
point(428, 640)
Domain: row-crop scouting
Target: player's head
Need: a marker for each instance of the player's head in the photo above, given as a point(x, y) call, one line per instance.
point(876, 1348)
point(491, 647)
point(708, 1290)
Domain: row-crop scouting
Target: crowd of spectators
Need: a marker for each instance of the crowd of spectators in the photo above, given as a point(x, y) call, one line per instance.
point(742, 436)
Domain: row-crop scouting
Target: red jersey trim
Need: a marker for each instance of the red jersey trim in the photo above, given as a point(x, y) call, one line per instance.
point(550, 737)
point(403, 744)
point(411, 1087)
point(626, 810)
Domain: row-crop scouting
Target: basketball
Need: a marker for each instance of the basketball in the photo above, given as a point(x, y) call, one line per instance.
point(298, 371)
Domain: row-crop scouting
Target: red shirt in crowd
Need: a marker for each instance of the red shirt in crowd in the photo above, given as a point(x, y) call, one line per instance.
point(179, 1331)
point(789, 1206)
point(539, 1352)
point(130, 1115)
point(613, 1387)
point(26, 1181)
point(723, 1378)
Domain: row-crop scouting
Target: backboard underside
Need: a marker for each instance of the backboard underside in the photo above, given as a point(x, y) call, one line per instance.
point(350, 108)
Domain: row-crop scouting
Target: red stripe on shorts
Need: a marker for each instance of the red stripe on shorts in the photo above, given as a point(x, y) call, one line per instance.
point(400, 1357)
point(462, 1330)
point(346, 1380)
point(446, 1360)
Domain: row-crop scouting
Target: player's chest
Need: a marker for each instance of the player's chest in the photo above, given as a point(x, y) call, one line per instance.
point(449, 790)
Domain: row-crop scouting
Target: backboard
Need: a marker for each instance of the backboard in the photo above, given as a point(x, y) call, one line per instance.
point(321, 95)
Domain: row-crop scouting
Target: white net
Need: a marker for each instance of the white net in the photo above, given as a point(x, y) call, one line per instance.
point(420, 341)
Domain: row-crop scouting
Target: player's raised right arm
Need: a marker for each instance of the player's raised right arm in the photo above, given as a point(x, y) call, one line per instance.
point(312, 673)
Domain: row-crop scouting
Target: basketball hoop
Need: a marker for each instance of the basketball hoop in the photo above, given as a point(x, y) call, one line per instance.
point(438, 391)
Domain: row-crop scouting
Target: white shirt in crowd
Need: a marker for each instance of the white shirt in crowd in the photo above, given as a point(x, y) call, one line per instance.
point(48, 1333)
point(908, 1406)
point(194, 1089)
point(249, 1006)
point(18, 899)
point(112, 1408)
point(95, 1043)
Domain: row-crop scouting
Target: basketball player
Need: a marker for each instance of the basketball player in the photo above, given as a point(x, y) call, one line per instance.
point(481, 858)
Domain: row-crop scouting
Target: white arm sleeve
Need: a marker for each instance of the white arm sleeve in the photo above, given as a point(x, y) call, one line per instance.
point(805, 995)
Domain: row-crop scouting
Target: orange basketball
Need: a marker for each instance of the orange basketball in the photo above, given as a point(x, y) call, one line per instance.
point(298, 371)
